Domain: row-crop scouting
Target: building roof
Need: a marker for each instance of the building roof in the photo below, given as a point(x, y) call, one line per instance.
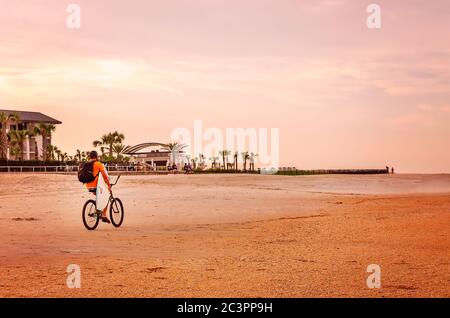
point(32, 117)
point(135, 149)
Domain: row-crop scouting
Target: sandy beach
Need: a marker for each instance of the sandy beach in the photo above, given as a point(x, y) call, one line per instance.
point(229, 236)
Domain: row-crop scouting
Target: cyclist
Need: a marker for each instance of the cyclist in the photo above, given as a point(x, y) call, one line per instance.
point(98, 168)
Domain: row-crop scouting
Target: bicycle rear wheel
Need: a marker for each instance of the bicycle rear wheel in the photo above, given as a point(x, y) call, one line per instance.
point(116, 212)
point(90, 217)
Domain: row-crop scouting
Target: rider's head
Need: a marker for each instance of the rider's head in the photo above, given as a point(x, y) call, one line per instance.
point(93, 155)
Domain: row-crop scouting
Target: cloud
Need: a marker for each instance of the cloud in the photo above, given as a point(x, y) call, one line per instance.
point(425, 107)
point(317, 6)
point(413, 120)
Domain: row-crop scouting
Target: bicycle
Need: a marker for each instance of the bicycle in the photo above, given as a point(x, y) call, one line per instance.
point(91, 216)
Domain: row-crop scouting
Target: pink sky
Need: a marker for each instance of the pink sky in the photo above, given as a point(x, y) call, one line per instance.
point(341, 94)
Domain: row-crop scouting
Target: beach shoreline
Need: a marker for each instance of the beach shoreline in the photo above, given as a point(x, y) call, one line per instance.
point(229, 236)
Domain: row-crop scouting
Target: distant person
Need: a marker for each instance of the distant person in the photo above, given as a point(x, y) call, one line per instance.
point(387, 169)
point(392, 170)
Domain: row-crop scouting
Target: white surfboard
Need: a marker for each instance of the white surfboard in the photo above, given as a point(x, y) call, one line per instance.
point(102, 192)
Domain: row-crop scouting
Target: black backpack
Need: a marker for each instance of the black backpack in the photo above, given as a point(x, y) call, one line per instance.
point(86, 172)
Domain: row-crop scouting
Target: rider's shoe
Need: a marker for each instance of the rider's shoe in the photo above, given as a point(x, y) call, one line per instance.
point(105, 219)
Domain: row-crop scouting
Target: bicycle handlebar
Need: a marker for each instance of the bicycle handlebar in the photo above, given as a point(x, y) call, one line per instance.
point(118, 177)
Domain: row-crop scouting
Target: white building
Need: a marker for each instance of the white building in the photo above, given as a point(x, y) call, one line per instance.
point(154, 156)
point(28, 120)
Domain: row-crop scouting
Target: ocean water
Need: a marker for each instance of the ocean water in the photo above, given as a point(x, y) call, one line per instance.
point(370, 184)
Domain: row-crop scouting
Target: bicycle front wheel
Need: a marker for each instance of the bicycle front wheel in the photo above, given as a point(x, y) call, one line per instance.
point(89, 215)
point(116, 212)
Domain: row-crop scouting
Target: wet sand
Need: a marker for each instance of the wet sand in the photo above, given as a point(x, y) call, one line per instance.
point(229, 236)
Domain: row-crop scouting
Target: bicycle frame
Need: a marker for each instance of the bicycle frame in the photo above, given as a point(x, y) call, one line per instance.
point(111, 196)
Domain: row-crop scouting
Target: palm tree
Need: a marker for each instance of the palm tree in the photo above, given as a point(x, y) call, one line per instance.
point(3, 137)
point(214, 160)
point(109, 140)
point(120, 149)
point(105, 140)
point(175, 148)
point(78, 155)
point(252, 158)
point(202, 159)
point(58, 154)
point(44, 130)
point(236, 155)
point(194, 163)
point(224, 153)
point(5, 120)
point(51, 151)
point(15, 150)
point(245, 157)
point(18, 138)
